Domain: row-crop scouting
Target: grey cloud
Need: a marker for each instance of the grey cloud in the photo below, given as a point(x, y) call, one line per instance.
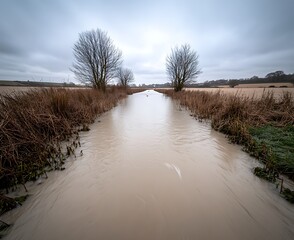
point(7, 48)
point(233, 38)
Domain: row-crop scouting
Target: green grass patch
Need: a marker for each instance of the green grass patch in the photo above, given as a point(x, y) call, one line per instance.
point(288, 195)
point(275, 147)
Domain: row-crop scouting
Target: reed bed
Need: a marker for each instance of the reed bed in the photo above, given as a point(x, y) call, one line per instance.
point(131, 91)
point(263, 126)
point(33, 124)
point(223, 109)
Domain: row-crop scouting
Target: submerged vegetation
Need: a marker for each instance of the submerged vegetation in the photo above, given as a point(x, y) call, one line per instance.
point(263, 126)
point(34, 125)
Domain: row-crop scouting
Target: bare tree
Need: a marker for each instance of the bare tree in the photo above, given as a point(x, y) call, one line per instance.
point(97, 60)
point(125, 76)
point(182, 66)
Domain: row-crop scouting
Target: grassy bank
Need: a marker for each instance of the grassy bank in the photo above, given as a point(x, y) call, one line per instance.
point(34, 124)
point(263, 126)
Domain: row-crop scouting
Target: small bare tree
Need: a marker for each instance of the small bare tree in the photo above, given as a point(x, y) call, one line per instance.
point(182, 66)
point(125, 76)
point(97, 60)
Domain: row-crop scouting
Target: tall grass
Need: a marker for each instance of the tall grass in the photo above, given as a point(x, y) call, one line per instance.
point(33, 124)
point(241, 117)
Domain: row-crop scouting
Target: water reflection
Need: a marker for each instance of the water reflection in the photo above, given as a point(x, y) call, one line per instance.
point(150, 171)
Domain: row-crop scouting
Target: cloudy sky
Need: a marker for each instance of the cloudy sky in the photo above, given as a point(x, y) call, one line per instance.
point(234, 38)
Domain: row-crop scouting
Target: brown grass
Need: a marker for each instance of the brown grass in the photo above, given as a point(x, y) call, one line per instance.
point(33, 124)
point(131, 91)
point(224, 109)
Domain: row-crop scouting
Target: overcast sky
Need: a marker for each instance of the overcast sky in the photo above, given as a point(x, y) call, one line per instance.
point(234, 39)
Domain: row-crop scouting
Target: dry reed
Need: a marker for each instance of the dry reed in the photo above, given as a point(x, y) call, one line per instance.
point(33, 124)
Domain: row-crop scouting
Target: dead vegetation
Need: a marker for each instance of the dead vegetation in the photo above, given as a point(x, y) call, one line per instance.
point(226, 110)
point(33, 124)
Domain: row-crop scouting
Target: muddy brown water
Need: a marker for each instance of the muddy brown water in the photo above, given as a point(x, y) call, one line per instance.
point(151, 171)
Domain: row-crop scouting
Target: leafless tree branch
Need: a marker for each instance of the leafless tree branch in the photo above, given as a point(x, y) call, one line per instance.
point(182, 66)
point(125, 76)
point(97, 60)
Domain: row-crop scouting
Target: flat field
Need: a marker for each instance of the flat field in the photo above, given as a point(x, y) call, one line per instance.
point(248, 92)
point(13, 89)
point(17, 89)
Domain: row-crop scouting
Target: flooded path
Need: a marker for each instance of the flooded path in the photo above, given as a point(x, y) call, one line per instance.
point(151, 171)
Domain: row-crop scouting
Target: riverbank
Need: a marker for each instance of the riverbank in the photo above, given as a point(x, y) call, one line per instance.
point(263, 126)
point(34, 126)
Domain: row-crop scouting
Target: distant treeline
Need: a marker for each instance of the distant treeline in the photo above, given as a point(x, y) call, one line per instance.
point(274, 77)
